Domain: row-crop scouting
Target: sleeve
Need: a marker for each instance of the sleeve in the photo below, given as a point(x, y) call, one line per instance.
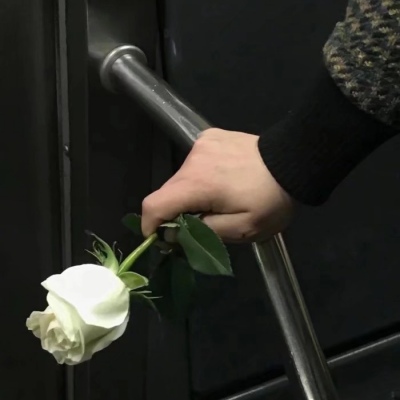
point(351, 109)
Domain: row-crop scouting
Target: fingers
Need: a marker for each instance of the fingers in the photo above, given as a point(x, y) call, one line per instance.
point(174, 198)
point(233, 228)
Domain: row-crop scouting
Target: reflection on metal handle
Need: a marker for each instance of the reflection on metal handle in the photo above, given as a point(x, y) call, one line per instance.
point(308, 362)
point(124, 69)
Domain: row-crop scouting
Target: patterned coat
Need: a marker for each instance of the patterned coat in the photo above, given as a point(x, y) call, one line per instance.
point(363, 57)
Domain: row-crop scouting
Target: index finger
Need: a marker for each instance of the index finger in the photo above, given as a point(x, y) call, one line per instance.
point(174, 198)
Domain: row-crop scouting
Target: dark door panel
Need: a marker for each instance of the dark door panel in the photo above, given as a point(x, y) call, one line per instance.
point(350, 253)
point(370, 372)
point(244, 66)
point(76, 157)
point(120, 152)
point(30, 201)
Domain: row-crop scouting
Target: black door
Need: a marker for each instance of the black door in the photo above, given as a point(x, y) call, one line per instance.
point(245, 65)
point(31, 202)
point(77, 157)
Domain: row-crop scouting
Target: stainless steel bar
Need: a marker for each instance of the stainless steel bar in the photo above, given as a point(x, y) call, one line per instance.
point(124, 69)
point(310, 366)
point(352, 357)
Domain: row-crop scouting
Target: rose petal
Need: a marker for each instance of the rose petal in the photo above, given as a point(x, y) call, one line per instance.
point(88, 310)
point(38, 321)
point(96, 293)
point(97, 345)
point(106, 340)
point(65, 315)
point(73, 325)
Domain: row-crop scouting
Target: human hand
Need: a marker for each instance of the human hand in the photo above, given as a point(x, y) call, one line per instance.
point(224, 178)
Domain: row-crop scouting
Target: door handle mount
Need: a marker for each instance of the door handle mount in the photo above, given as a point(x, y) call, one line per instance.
point(106, 66)
point(124, 69)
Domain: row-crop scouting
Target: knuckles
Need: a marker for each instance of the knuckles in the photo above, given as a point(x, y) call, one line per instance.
point(208, 133)
point(207, 138)
point(248, 231)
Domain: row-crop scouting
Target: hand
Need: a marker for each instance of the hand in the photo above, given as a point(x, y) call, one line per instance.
point(225, 178)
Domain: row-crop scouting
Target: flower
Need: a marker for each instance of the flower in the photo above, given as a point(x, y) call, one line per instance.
point(88, 309)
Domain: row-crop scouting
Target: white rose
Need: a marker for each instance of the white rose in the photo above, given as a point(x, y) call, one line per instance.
point(88, 310)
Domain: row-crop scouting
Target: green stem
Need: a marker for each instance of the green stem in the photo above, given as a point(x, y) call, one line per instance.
point(127, 263)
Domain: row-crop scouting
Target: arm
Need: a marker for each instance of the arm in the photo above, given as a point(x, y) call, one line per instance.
point(353, 107)
point(246, 185)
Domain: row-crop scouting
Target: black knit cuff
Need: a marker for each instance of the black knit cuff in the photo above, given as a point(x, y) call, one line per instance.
point(311, 151)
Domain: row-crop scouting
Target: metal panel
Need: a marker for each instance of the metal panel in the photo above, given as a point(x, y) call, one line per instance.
point(30, 200)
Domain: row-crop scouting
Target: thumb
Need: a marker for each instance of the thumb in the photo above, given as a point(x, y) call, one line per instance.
point(169, 201)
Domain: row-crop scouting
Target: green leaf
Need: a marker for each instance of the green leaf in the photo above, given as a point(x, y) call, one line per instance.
point(182, 286)
point(203, 248)
point(105, 254)
point(174, 282)
point(160, 285)
point(133, 280)
point(168, 231)
point(139, 297)
point(134, 223)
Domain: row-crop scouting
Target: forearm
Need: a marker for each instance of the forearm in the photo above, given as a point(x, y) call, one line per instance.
point(352, 108)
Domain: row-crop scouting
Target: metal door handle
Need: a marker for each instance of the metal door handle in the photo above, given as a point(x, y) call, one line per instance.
point(124, 69)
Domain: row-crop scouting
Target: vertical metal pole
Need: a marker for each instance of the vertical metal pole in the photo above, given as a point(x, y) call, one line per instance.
point(309, 367)
point(124, 69)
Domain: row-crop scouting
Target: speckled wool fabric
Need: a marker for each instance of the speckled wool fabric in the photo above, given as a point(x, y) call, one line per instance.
point(363, 57)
